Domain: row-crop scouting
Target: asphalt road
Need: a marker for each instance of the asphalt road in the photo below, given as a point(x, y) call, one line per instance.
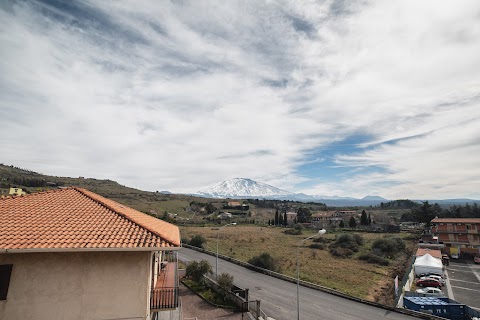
point(464, 279)
point(278, 297)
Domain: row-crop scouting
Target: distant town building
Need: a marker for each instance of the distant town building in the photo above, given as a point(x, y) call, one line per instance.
point(16, 192)
point(326, 219)
point(235, 205)
point(291, 217)
point(460, 235)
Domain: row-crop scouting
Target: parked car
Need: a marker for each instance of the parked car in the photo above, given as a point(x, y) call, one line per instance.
point(428, 274)
point(429, 282)
point(476, 260)
point(454, 255)
point(438, 278)
point(430, 291)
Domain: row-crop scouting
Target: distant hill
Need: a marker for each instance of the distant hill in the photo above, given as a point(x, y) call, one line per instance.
point(374, 198)
point(162, 201)
point(145, 201)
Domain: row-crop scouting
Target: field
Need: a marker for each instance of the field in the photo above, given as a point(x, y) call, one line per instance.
point(349, 275)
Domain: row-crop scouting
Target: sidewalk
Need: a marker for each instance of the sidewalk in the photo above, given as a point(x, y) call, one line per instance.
point(193, 306)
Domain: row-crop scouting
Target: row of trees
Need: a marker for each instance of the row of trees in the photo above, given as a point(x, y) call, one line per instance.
point(426, 212)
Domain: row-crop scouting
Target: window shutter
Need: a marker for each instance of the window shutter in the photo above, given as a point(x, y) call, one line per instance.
point(5, 273)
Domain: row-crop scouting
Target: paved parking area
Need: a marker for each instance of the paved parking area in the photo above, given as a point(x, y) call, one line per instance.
point(464, 278)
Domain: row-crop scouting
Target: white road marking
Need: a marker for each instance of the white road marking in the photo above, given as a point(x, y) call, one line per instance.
point(460, 270)
point(461, 280)
point(465, 288)
point(475, 272)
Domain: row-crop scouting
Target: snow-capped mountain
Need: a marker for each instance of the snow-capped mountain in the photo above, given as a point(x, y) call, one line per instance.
point(247, 188)
point(241, 187)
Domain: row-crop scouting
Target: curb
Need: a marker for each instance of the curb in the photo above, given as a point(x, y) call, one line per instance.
point(313, 286)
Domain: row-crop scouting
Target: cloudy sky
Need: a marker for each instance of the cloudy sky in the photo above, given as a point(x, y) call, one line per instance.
point(343, 98)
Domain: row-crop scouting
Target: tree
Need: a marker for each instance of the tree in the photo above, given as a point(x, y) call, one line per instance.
point(364, 219)
point(276, 217)
point(342, 224)
point(198, 241)
point(303, 215)
point(210, 208)
point(196, 270)
point(369, 219)
point(280, 219)
point(425, 213)
point(352, 223)
point(225, 282)
point(285, 221)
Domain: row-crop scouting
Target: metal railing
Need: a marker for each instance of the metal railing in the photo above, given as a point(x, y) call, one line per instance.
point(163, 298)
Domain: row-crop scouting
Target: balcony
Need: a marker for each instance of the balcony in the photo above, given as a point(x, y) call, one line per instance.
point(165, 294)
point(163, 298)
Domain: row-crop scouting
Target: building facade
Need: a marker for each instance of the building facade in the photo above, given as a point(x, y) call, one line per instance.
point(72, 254)
point(460, 235)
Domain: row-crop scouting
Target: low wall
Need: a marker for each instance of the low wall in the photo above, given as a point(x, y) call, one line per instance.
point(312, 285)
point(406, 288)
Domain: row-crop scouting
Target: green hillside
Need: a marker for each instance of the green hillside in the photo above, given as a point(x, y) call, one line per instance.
point(145, 201)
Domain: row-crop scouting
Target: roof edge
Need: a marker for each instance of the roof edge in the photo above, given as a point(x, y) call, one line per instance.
point(98, 198)
point(59, 250)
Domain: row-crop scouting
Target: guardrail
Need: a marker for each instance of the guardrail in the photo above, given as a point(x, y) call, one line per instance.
point(312, 285)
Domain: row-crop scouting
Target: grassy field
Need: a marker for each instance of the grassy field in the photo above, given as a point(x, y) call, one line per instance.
point(348, 275)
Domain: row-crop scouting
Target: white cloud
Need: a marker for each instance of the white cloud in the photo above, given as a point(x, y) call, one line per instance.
point(175, 96)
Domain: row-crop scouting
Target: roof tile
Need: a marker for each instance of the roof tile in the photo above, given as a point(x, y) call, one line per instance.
point(75, 218)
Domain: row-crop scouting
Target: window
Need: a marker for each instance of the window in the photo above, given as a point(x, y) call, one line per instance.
point(5, 272)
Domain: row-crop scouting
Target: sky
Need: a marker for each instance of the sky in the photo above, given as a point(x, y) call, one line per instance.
point(346, 98)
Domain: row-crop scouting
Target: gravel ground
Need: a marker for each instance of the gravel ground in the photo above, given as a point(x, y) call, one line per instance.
point(193, 306)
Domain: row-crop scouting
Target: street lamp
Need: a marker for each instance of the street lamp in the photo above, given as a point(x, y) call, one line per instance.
point(216, 260)
point(320, 232)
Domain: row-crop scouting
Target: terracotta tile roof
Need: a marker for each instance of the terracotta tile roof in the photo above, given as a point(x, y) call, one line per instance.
point(433, 253)
point(456, 220)
point(76, 218)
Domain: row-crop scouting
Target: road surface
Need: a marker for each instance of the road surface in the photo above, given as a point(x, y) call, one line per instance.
point(279, 299)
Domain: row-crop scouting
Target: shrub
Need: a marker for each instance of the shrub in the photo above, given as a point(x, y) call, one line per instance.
point(388, 247)
point(320, 246)
point(373, 258)
point(225, 282)
point(321, 240)
point(197, 241)
point(358, 239)
point(264, 261)
point(196, 270)
point(341, 252)
point(347, 241)
point(295, 231)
